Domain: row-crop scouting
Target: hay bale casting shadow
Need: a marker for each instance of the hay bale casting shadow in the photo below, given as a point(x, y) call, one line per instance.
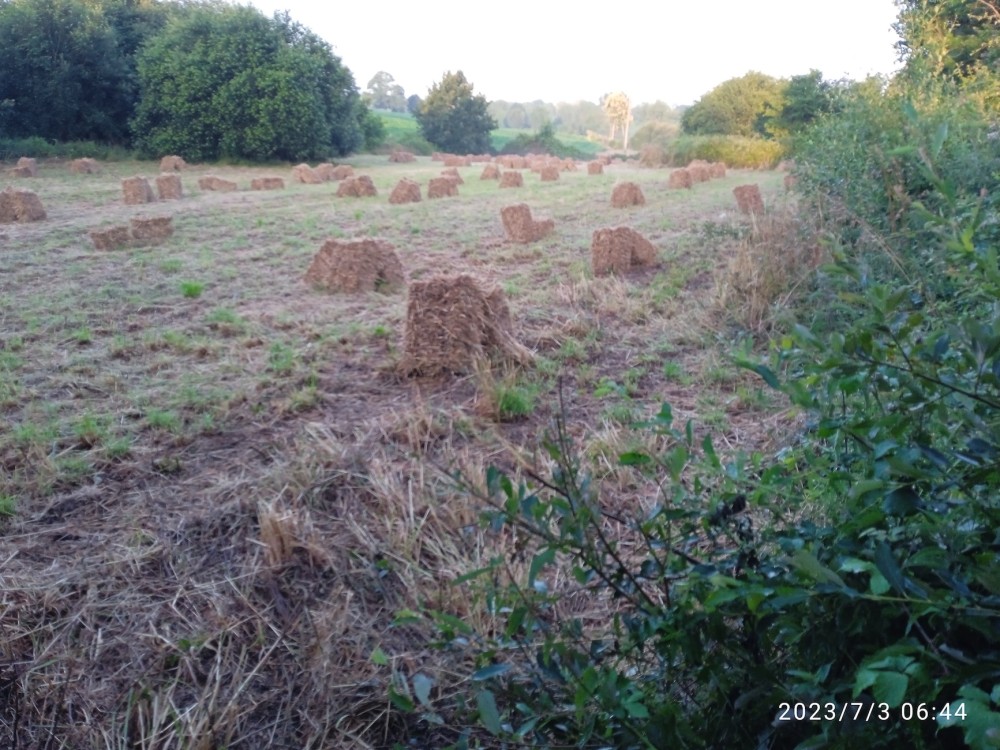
point(357, 187)
point(137, 191)
point(406, 191)
point(352, 266)
point(620, 249)
point(519, 225)
point(452, 324)
point(20, 206)
point(627, 194)
point(168, 186)
point(748, 199)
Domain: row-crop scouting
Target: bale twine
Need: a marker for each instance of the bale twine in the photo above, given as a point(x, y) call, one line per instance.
point(748, 199)
point(357, 187)
point(618, 250)
point(521, 227)
point(627, 194)
point(406, 191)
point(217, 184)
point(511, 179)
point(267, 183)
point(18, 205)
point(353, 266)
point(137, 191)
point(452, 325)
point(168, 187)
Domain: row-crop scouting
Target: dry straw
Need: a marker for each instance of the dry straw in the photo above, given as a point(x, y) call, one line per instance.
point(399, 156)
point(84, 166)
point(490, 172)
point(306, 175)
point(452, 172)
point(357, 187)
point(406, 191)
point(168, 186)
point(172, 164)
point(454, 326)
point(137, 191)
point(341, 172)
point(511, 180)
point(680, 178)
point(748, 199)
point(267, 183)
point(352, 266)
point(111, 238)
point(20, 206)
point(212, 183)
point(152, 231)
point(627, 194)
point(26, 167)
point(549, 173)
point(521, 227)
point(617, 250)
point(595, 167)
point(442, 187)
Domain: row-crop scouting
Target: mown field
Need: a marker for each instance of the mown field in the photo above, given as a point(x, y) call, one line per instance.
point(218, 489)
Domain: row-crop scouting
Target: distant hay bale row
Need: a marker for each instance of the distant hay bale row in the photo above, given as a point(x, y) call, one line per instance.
point(512, 162)
point(617, 250)
point(521, 227)
point(143, 231)
point(353, 266)
point(450, 160)
point(399, 156)
point(20, 206)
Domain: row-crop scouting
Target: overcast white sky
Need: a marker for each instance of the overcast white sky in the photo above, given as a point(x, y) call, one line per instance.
point(675, 51)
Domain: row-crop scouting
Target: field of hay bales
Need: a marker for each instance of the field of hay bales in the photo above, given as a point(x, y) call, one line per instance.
point(220, 484)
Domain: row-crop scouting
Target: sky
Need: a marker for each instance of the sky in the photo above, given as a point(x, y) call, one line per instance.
point(558, 51)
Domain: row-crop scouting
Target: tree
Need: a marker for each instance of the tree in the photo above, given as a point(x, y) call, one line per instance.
point(805, 98)
point(225, 81)
point(739, 106)
point(413, 103)
point(384, 93)
point(956, 38)
point(619, 111)
point(455, 119)
point(65, 76)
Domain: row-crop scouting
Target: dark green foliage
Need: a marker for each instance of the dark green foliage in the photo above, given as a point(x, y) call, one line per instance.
point(371, 126)
point(739, 106)
point(413, 103)
point(226, 82)
point(956, 38)
point(806, 97)
point(66, 73)
point(544, 141)
point(455, 119)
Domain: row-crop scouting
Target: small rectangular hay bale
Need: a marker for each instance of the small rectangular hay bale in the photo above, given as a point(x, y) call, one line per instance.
point(168, 186)
point(109, 239)
point(137, 191)
point(267, 183)
point(217, 184)
point(20, 206)
point(152, 231)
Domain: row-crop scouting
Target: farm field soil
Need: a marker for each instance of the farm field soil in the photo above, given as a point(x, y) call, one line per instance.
point(217, 489)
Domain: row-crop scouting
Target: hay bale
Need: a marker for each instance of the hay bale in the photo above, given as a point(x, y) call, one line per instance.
point(521, 227)
point(85, 166)
point(357, 187)
point(324, 171)
point(341, 172)
point(453, 173)
point(172, 164)
point(627, 194)
point(152, 231)
point(699, 172)
point(168, 187)
point(406, 191)
point(109, 239)
point(717, 169)
point(511, 180)
point(19, 172)
point(680, 178)
point(549, 173)
point(267, 183)
point(137, 191)
point(452, 324)
point(399, 156)
point(620, 249)
point(442, 187)
point(26, 163)
point(450, 160)
point(595, 167)
point(217, 184)
point(748, 199)
point(20, 206)
point(305, 174)
point(353, 266)
point(568, 165)
point(490, 172)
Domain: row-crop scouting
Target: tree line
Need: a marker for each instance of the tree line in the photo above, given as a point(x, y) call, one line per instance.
point(204, 80)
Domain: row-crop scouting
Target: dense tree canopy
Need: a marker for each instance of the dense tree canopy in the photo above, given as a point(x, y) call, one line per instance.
point(958, 38)
point(225, 81)
point(455, 119)
point(739, 106)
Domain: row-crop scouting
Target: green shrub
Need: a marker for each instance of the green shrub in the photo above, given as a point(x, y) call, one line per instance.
point(544, 141)
point(735, 151)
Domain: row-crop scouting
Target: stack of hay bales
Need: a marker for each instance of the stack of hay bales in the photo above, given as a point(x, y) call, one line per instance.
point(20, 206)
point(442, 187)
point(490, 172)
point(172, 164)
point(26, 167)
point(357, 187)
point(137, 191)
point(168, 187)
point(453, 325)
point(680, 178)
point(217, 184)
point(306, 175)
point(353, 266)
point(618, 250)
point(406, 191)
point(549, 173)
point(267, 183)
point(510, 179)
point(749, 200)
point(521, 227)
point(85, 165)
point(627, 194)
point(595, 167)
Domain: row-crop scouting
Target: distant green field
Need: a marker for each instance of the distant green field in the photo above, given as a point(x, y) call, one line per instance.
point(402, 127)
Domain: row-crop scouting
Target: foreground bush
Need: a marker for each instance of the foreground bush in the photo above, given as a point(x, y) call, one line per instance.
point(735, 151)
